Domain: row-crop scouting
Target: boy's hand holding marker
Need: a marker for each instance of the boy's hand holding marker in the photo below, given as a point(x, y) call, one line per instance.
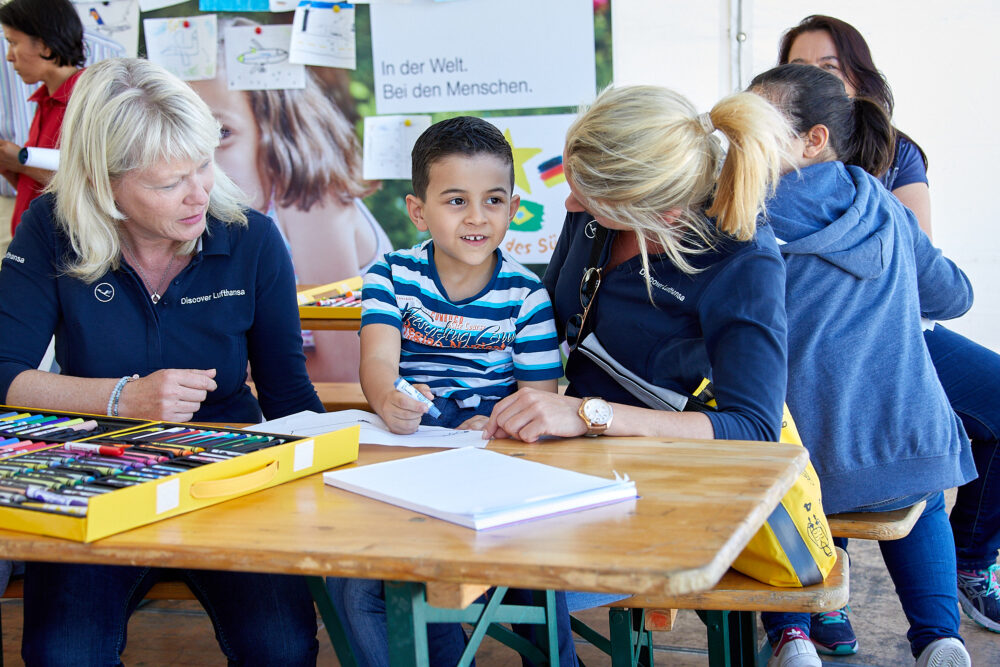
point(405, 405)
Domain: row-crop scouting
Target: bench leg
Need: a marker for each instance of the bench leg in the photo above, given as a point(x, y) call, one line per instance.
point(732, 638)
point(631, 643)
point(408, 613)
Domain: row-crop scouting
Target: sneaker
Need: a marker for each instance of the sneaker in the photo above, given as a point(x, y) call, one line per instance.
point(832, 634)
point(979, 595)
point(794, 650)
point(945, 652)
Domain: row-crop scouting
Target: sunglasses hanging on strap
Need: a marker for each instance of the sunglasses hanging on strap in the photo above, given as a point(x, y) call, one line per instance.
point(587, 344)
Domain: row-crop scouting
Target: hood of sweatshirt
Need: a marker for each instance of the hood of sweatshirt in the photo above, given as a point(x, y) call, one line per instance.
point(836, 212)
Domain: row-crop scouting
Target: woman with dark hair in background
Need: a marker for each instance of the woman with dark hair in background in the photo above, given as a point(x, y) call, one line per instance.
point(969, 372)
point(860, 275)
point(44, 45)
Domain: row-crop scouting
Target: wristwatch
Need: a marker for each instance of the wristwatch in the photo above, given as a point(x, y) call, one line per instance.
point(597, 414)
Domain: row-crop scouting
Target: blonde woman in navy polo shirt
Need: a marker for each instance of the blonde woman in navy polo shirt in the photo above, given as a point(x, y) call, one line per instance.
point(160, 287)
point(691, 285)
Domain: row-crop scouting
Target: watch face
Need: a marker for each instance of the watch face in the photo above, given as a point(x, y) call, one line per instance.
point(597, 411)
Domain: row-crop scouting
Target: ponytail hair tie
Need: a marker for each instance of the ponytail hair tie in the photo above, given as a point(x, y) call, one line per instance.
point(706, 122)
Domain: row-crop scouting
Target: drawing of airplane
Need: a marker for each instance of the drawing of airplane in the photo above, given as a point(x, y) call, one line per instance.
point(258, 57)
point(106, 27)
point(186, 46)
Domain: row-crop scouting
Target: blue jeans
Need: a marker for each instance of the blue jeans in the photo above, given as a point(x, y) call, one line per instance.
point(78, 614)
point(360, 603)
point(922, 567)
point(970, 375)
point(452, 415)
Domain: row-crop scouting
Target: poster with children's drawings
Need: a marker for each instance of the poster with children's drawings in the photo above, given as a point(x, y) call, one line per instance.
point(388, 142)
point(186, 46)
point(323, 34)
point(519, 54)
point(117, 20)
point(257, 58)
point(537, 145)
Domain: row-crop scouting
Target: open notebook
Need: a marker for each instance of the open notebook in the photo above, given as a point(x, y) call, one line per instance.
point(478, 488)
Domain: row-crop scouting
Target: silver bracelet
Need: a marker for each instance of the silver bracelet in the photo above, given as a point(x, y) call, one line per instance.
point(116, 393)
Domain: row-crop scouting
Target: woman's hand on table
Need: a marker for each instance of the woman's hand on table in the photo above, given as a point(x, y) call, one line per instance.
point(171, 394)
point(529, 414)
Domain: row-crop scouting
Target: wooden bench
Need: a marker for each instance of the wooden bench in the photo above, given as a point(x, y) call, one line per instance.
point(728, 611)
point(336, 396)
point(637, 616)
point(893, 525)
point(164, 590)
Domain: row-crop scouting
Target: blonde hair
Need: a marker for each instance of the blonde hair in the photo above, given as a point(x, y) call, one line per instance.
point(308, 150)
point(640, 154)
point(127, 114)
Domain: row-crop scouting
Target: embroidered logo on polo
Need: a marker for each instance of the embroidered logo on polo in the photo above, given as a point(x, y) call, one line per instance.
point(660, 286)
point(453, 331)
point(221, 294)
point(590, 229)
point(104, 292)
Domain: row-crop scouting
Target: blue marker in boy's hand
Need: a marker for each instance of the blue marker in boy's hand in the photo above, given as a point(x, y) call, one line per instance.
point(405, 387)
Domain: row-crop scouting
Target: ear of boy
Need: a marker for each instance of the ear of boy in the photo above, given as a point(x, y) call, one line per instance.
point(415, 209)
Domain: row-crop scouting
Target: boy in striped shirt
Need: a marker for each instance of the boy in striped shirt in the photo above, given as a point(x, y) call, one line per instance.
point(456, 316)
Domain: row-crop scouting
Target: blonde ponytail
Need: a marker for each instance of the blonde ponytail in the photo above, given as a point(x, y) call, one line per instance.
point(756, 134)
point(642, 156)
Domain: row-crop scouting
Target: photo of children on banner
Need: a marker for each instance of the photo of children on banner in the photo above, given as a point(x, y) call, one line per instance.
point(299, 159)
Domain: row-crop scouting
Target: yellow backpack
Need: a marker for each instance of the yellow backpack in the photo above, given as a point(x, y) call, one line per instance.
point(794, 546)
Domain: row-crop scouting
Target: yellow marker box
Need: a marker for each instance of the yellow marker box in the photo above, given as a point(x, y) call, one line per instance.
point(331, 291)
point(130, 507)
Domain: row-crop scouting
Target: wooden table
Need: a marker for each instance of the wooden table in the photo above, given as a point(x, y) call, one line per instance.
point(700, 502)
point(330, 324)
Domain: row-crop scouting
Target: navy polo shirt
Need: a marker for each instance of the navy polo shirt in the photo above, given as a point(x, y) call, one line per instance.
point(726, 322)
point(234, 303)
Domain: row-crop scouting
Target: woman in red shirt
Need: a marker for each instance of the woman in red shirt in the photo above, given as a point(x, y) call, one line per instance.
point(44, 45)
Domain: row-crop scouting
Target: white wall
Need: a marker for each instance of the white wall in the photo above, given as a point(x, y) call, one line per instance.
point(939, 59)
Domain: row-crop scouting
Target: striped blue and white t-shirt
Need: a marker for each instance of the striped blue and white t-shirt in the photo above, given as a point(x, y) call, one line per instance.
point(469, 350)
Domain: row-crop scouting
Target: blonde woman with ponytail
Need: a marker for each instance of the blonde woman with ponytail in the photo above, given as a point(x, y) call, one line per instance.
point(665, 262)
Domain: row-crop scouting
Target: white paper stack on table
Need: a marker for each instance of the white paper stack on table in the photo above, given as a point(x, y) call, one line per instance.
point(479, 489)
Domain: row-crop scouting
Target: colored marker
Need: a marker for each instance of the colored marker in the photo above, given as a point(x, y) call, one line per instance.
point(104, 450)
point(86, 426)
point(405, 387)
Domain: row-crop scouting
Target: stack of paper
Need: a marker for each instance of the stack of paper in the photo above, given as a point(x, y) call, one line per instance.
point(478, 488)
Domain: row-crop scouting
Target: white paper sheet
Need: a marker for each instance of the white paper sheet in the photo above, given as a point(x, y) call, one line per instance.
point(186, 46)
point(373, 430)
point(151, 5)
point(479, 488)
point(388, 142)
point(117, 20)
point(257, 58)
point(323, 35)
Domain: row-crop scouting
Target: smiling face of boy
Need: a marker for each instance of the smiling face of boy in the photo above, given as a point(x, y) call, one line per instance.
point(467, 209)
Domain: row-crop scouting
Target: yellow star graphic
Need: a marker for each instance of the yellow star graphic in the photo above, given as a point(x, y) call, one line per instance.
point(521, 155)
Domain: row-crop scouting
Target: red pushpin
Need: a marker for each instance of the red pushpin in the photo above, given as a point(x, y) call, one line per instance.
point(187, 24)
point(258, 30)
